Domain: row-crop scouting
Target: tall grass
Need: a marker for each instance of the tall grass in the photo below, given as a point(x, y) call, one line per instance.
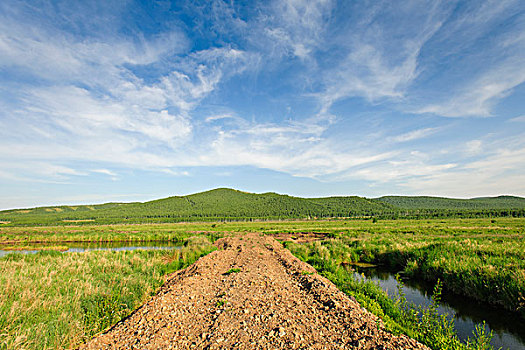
point(489, 268)
point(53, 300)
point(423, 324)
point(481, 259)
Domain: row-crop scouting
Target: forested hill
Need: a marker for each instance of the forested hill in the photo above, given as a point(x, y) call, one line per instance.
point(231, 203)
point(424, 202)
point(228, 204)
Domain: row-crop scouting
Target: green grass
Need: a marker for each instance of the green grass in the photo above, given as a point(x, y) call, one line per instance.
point(104, 233)
point(232, 270)
point(480, 259)
point(221, 303)
point(424, 325)
point(52, 300)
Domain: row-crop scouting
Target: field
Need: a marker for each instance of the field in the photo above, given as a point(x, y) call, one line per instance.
point(52, 300)
point(481, 258)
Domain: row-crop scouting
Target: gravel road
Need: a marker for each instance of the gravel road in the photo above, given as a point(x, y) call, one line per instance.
point(250, 294)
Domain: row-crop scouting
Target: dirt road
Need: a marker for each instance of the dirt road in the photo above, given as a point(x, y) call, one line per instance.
point(250, 294)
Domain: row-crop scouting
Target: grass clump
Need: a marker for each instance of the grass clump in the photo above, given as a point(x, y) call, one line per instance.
point(53, 300)
point(221, 303)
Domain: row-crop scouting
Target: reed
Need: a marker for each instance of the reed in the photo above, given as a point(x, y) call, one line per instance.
point(422, 324)
point(53, 300)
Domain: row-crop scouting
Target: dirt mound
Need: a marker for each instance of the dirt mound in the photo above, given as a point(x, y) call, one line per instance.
point(250, 294)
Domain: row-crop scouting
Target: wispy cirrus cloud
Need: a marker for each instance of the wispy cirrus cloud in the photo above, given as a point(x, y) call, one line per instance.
point(298, 27)
point(519, 119)
point(297, 148)
point(486, 41)
point(85, 101)
point(414, 135)
point(473, 172)
point(326, 90)
point(379, 55)
point(478, 98)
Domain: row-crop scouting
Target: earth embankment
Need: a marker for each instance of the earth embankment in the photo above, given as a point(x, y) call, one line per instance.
point(250, 294)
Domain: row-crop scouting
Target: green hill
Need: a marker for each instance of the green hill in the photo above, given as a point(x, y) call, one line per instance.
point(228, 204)
point(218, 204)
point(231, 203)
point(424, 202)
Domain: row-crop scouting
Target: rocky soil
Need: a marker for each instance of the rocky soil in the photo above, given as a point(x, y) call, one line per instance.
point(250, 294)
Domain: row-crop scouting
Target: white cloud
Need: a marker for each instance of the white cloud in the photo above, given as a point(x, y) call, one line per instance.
point(297, 148)
point(221, 117)
point(519, 119)
point(175, 172)
point(414, 135)
point(382, 56)
point(92, 107)
point(296, 27)
point(393, 171)
point(491, 60)
point(80, 113)
point(38, 171)
point(478, 98)
point(474, 147)
point(104, 171)
point(496, 171)
point(57, 57)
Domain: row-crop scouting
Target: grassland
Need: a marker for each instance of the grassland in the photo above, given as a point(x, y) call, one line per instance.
point(103, 233)
point(52, 300)
point(481, 258)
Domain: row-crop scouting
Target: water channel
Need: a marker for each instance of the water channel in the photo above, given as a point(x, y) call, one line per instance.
point(508, 328)
point(77, 247)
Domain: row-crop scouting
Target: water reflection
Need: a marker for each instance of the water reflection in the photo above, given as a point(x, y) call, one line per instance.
point(508, 328)
point(76, 247)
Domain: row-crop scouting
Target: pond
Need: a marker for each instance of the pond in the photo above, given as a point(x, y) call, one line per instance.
point(75, 247)
point(508, 328)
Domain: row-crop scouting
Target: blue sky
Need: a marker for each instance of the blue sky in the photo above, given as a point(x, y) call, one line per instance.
point(125, 100)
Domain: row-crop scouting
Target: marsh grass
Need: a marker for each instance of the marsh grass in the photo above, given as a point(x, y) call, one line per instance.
point(423, 324)
point(60, 248)
point(105, 233)
point(53, 300)
point(480, 259)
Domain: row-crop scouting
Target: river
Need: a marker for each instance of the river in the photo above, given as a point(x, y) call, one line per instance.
point(508, 328)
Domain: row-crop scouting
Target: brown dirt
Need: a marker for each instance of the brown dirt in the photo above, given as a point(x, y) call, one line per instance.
point(275, 301)
point(299, 237)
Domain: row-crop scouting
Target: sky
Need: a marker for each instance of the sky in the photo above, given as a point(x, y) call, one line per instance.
point(135, 100)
